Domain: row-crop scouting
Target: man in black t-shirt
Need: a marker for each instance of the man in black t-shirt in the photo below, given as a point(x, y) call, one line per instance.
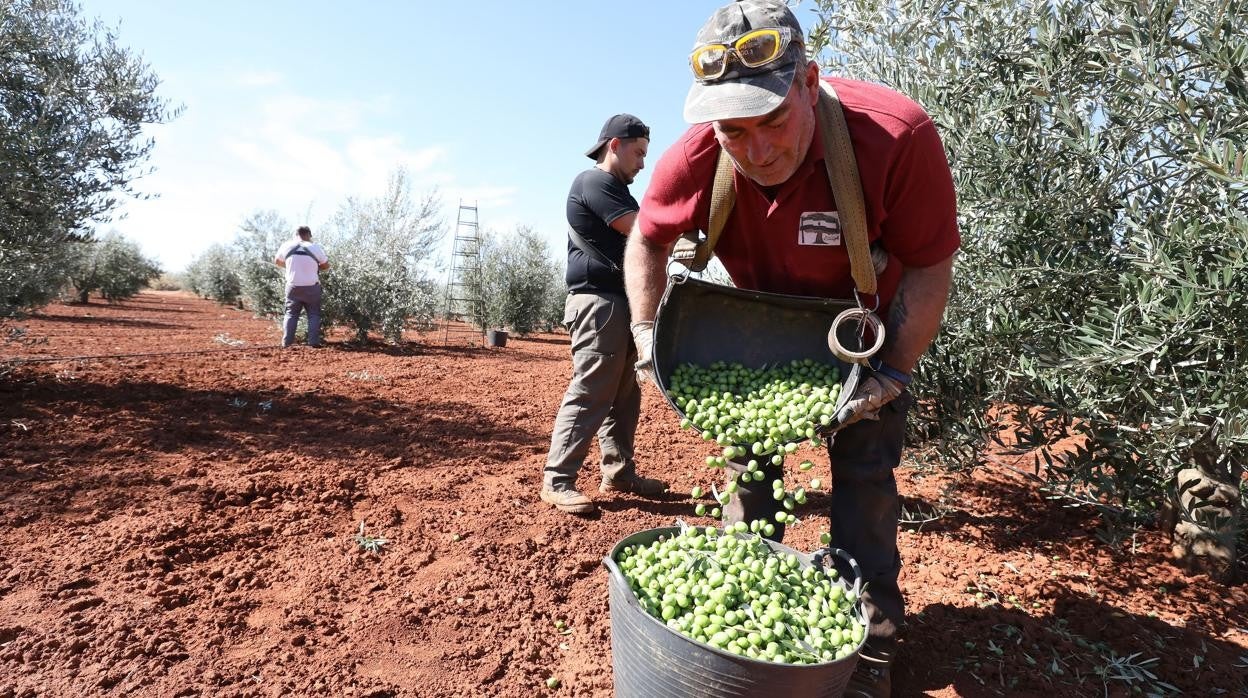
point(603, 397)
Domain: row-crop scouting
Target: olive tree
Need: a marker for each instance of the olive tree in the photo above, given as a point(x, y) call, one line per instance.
point(214, 274)
point(380, 252)
point(262, 283)
point(1098, 153)
point(113, 266)
point(518, 282)
point(72, 107)
point(556, 297)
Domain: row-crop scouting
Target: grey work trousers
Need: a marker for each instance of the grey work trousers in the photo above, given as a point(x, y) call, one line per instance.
point(864, 509)
point(602, 398)
point(299, 298)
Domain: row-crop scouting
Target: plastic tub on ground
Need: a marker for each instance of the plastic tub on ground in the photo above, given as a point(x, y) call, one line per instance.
point(651, 660)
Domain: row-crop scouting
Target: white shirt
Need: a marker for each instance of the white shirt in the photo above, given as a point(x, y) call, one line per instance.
point(302, 259)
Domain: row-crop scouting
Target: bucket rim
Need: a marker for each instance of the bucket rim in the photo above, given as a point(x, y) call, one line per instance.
point(617, 576)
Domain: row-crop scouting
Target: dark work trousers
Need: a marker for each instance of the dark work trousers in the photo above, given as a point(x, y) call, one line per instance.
point(299, 298)
point(603, 397)
point(864, 510)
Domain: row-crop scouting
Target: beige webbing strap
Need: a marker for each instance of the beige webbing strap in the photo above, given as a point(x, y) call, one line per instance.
point(696, 254)
point(838, 157)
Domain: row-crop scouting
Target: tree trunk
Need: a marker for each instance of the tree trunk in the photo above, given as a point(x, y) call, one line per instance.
point(82, 296)
point(1205, 515)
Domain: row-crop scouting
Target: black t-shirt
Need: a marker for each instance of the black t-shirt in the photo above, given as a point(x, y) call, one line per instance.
point(596, 199)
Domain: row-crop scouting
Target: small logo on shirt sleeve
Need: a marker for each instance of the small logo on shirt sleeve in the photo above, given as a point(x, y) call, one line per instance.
point(820, 228)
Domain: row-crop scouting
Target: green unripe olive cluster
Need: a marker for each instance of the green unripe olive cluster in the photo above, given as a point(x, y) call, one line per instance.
point(732, 591)
point(761, 414)
point(764, 412)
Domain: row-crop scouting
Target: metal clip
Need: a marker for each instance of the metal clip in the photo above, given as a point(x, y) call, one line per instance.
point(858, 300)
point(682, 273)
point(865, 319)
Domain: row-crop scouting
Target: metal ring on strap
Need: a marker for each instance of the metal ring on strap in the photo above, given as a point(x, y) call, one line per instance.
point(861, 316)
point(678, 275)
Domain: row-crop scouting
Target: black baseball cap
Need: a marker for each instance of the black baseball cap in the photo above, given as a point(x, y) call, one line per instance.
point(618, 126)
point(744, 92)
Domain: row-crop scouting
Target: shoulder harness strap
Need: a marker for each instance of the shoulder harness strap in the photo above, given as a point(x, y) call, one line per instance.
point(300, 250)
point(690, 249)
point(842, 166)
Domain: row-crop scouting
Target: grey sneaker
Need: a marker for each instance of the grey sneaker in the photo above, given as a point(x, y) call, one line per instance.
point(871, 678)
point(571, 501)
point(637, 484)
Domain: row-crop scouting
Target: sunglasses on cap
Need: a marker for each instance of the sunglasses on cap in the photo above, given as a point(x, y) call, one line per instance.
point(753, 49)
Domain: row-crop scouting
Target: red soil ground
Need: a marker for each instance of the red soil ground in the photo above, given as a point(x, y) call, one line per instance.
point(185, 526)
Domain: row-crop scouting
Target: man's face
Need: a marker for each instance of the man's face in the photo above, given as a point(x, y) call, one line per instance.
point(631, 158)
point(769, 148)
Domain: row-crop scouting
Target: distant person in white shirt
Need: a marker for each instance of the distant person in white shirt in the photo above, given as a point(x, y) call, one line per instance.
point(302, 258)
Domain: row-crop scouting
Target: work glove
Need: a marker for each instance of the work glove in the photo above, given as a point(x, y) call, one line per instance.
point(873, 392)
point(643, 337)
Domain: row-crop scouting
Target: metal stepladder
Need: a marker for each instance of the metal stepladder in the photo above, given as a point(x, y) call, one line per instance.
point(462, 303)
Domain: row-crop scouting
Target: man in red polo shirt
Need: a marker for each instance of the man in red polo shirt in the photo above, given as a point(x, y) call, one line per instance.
point(755, 96)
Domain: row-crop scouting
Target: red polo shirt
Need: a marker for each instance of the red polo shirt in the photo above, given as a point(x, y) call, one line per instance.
point(793, 244)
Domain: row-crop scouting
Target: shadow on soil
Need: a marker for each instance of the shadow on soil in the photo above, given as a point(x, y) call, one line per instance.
point(1046, 521)
point(112, 430)
point(542, 340)
point(405, 349)
point(158, 307)
point(109, 321)
point(1084, 648)
point(431, 347)
point(140, 304)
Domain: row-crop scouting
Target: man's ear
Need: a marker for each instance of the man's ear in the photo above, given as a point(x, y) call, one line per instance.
point(811, 79)
point(614, 145)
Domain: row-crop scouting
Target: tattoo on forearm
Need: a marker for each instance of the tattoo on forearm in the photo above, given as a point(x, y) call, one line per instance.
point(897, 314)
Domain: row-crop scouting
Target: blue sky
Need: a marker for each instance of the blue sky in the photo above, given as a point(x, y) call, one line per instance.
point(294, 106)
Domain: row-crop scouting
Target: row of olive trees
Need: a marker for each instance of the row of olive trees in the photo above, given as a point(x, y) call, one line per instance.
point(113, 267)
point(381, 259)
point(1098, 151)
point(520, 286)
point(215, 274)
point(72, 106)
point(380, 252)
point(242, 272)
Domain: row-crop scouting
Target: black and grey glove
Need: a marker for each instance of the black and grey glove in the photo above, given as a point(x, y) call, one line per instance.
point(882, 386)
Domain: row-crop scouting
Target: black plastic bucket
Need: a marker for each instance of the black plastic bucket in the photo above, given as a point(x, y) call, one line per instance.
point(496, 338)
point(650, 660)
point(700, 323)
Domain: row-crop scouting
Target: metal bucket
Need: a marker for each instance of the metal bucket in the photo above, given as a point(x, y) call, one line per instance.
point(700, 323)
point(651, 660)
